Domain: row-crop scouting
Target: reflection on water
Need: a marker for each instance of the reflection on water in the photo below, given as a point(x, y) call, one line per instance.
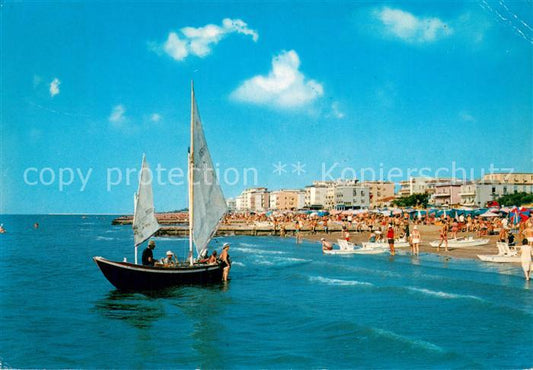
point(139, 310)
point(204, 307)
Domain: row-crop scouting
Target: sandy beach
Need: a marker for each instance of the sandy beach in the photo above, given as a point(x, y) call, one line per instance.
point(428, 233)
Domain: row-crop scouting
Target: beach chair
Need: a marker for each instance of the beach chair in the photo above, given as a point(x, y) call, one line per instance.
point(508, 252)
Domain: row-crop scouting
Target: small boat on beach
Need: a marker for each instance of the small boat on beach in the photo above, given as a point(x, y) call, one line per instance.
point(398, 243)
point(345, 247)
point(505, 255)
point(461, 242)
point(206, 208)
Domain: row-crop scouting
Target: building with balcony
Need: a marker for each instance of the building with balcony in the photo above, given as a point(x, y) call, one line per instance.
point(447, 194)
point(351, 196)
point(420, 185)
point(315, 195)
point(477, 194)
point(287, 199)
point(253, 200)
point(380, 192)
point(519, 178)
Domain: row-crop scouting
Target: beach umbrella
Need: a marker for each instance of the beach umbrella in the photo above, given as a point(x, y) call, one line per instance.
point(519, 215)
point(479, 211)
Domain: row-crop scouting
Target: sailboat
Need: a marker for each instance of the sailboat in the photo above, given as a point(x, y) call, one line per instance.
point(207, 206)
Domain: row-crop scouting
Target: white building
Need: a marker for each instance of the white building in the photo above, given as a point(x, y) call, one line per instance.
point(420, 185)
point(350, 195)
point(478, 194)
point(315, 195)
point(339, 194)
point(254, 200)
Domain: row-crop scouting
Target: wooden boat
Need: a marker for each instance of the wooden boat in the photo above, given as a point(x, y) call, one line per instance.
point(129, 276)
point(206, 208)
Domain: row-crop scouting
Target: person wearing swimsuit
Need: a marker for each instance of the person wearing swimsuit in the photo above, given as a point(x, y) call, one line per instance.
point(225, 262)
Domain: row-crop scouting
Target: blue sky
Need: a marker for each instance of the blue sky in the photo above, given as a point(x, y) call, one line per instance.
point(288, 91)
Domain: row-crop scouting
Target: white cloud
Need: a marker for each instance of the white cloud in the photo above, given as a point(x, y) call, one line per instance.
point(199, 41)
point(155, 117)
point(285, 87)
point(117, 116)
point(54, 87)
point(405, 26)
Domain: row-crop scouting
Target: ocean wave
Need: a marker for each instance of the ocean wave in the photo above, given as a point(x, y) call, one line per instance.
point(248, 244)
point(407, 340)
point(281, 261)
point(238, 264)
point(104, 238)
point(367, 271)
point(338, 282)
point(444, 295)
point(256, 251)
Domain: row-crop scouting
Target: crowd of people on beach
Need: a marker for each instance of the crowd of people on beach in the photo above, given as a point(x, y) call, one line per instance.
point(388, 227)
point(375, 221)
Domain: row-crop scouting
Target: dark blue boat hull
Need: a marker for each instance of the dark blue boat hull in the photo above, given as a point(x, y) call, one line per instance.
point(128, 276)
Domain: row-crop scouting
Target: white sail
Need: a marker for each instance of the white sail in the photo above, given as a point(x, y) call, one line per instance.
point(144, 222)
point(208, 199)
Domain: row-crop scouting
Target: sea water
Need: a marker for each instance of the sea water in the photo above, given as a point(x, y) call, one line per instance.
point(287, 306)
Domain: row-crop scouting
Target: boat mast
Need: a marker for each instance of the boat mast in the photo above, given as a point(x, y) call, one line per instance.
point(191, 179)
point(135, 199)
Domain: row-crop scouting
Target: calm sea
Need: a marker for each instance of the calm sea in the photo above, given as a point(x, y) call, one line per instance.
point(287, 306)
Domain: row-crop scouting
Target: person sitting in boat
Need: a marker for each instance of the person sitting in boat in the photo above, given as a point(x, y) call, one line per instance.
point(211, 259)
point(326, 246)
point(225, 262)
point(148, 254)
point(170, 260)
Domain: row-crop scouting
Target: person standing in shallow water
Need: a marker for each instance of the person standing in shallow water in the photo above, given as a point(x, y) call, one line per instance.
point(444, 236)
point(525, 259)
point(415, 241)
point(225, 261)
point(390, 239)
